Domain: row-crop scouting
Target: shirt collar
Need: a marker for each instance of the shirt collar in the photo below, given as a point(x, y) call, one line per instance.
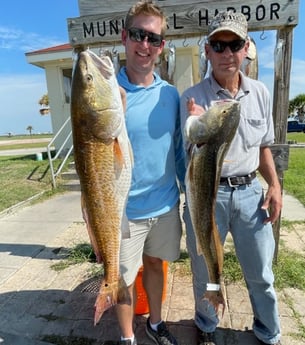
point(243, 90)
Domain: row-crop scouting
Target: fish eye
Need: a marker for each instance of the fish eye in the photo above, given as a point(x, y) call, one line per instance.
point(89, 77)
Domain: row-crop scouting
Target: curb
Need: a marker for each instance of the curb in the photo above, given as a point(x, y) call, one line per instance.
point(16, 207)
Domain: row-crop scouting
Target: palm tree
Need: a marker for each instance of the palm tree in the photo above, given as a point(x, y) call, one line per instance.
point(30, 129)
point(297, 104)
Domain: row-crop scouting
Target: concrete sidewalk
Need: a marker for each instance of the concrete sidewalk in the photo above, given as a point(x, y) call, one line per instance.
point(39, 305)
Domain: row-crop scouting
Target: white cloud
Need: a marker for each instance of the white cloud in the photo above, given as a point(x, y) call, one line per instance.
point(297, 83)
point(19, 96)
point(9, 34)
point(266, 49)
point(15, 39)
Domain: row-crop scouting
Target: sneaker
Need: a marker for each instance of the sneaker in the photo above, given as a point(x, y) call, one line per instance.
point(161, 336)
point(128, 342)
point(205, 338)
point(262, 343)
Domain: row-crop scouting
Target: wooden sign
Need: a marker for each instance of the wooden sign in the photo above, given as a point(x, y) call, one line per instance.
point(185, 18)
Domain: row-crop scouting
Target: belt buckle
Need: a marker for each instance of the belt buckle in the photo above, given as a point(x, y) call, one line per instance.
point(230, 183)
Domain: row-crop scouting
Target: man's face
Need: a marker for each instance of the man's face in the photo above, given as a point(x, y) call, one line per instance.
point(226, 52)
point(142, 50)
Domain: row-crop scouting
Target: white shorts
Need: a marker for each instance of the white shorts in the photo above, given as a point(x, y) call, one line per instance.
point(157, 237)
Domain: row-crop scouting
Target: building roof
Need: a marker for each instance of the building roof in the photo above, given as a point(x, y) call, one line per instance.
point(50, 55)
point(61, 47)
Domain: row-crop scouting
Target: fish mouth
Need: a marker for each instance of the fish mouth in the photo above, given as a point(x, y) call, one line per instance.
point(103, 63)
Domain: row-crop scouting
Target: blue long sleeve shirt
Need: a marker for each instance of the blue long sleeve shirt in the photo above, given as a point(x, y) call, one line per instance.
point(153, 126)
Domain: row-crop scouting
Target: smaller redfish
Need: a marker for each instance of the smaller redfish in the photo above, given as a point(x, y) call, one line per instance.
point(211, 135)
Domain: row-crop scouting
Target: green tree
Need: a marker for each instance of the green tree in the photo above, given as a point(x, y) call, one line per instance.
point(297, 104)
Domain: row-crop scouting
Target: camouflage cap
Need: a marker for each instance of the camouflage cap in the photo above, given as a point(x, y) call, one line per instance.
point(229, 21)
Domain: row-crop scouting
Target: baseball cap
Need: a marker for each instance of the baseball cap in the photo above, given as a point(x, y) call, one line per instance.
point(229, 21)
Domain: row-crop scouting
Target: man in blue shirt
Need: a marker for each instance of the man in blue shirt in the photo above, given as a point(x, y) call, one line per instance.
point(154, 130)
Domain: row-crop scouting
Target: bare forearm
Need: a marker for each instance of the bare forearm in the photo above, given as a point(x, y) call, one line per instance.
point(267, 167)
point(273, 197)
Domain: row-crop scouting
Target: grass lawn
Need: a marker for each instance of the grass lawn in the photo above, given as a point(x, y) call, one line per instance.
point(22, 137)
point(21, 178)
point(24, 141)
point(294, 181)
point(298, 137)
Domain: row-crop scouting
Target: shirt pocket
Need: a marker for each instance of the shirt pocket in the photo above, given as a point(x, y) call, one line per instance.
point(254, 131)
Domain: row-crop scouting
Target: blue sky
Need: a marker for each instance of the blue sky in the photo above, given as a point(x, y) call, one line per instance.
point(31, 25)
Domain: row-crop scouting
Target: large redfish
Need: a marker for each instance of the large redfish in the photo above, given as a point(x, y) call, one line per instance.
point(211, 135)
point(103, 160)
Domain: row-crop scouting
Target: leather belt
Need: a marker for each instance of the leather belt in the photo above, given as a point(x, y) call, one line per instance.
point(234, 181)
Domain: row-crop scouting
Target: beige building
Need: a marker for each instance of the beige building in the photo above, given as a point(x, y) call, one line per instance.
point(58, 63)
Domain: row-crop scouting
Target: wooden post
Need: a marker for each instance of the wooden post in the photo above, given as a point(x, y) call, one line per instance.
point(280, 111)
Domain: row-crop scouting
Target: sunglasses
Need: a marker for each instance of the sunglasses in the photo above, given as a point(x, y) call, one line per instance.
point(220, 46)
point(139, 35)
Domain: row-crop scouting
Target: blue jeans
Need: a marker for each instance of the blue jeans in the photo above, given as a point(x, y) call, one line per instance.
point(238, 210)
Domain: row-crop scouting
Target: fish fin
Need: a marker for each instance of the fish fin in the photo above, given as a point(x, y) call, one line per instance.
point(130, 153)
point(123, 98)
point(216, 298)
point(93, 286)
point(123, 293)
point(125, 230)
point(218, 246)
point(110, 295)
point(118, 153)
point(90, 232)
point(199, 247)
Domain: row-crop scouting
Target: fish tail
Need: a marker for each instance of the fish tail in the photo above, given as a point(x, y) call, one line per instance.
point(216, 299)
point(123, 293)
point(109, 295)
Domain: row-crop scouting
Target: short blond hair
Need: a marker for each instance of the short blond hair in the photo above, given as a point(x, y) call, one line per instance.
point(147, 8)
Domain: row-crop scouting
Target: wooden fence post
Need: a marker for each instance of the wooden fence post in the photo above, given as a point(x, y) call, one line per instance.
point(280, 115)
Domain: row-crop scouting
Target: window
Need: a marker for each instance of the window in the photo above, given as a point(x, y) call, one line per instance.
point(67, 80)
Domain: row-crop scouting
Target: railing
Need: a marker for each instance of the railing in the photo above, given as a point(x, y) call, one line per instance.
point(54, 173)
